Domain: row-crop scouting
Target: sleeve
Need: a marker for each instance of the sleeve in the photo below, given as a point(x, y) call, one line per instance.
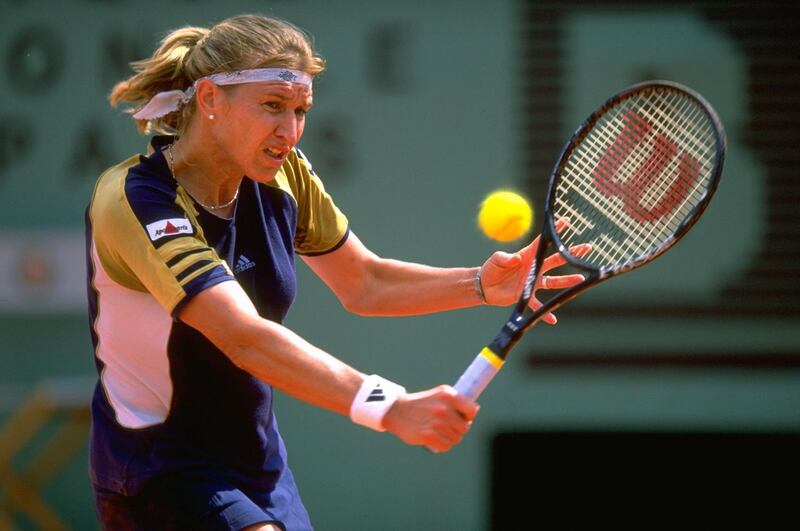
point(321, 226)
point(147, 241)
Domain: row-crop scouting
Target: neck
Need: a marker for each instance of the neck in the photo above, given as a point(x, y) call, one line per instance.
point(213, 190)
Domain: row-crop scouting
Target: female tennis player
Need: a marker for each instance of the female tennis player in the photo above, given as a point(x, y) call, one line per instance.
point(190, 252)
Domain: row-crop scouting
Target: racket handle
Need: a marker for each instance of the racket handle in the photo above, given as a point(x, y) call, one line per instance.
point(479, 373)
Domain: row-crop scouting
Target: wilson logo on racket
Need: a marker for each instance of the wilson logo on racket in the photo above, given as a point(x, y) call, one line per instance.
point(636, 185)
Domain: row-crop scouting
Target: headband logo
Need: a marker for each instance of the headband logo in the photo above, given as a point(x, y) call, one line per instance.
point(287, 76)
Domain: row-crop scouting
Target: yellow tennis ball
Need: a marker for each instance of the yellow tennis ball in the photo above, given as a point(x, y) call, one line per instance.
point(505, 216)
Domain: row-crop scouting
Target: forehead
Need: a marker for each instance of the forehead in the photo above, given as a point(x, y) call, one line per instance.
point(280, 89)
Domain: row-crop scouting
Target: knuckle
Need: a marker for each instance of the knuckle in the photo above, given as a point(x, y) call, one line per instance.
point(430, 439)
point(445, 389)
point(440, 411)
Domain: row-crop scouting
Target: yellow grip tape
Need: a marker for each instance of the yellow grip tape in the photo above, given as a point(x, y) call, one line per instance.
point(492, 358)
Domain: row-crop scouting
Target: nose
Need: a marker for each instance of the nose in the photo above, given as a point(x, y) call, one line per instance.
point(289, 128)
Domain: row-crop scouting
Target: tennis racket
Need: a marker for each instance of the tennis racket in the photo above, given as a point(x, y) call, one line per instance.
point(632, 180)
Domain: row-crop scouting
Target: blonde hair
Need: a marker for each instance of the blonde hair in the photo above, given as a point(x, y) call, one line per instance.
point(189, 53)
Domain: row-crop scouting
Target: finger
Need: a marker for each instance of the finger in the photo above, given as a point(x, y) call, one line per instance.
point(548, 318)
point(467, 409)
point(561, 224)
point(504, 260)
point(462, 428)
point(442, 441)
point(557, 260)
point(454, 432)
point(435, 446)
point(561, 281)
point(529, 251)
point(439, 448)
point(580, 250)
point(553, 261)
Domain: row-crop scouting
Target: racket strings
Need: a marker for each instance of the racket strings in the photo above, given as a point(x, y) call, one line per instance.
point(682, 129)
point(630, 244)
point(683, 124)
point(636, 177)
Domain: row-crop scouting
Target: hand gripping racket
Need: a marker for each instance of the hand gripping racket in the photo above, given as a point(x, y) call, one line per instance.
point(633, 179)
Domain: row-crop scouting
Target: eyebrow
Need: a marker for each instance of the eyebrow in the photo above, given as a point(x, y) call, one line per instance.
point(283, 95)
point(278, 95)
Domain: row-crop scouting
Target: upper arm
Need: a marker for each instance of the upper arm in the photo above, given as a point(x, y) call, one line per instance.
point(144, 239)
point(346, 270)
point(223, 313)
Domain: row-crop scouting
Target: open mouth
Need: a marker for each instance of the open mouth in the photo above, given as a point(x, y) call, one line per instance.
point(275, 153)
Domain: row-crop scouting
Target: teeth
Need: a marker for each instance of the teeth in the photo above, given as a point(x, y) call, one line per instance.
point(273, 153)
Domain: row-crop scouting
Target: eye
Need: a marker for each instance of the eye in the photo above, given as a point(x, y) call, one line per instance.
point(301, 112)
point(272, 106)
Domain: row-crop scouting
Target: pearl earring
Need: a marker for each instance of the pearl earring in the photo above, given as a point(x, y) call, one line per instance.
point(210, 116)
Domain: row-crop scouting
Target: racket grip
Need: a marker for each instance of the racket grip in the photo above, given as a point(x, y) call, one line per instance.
point(479, 373)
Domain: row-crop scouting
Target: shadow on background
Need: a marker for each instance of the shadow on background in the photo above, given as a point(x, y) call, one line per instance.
point(644, 478)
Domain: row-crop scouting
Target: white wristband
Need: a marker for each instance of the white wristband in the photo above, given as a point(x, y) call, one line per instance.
point(375, 397)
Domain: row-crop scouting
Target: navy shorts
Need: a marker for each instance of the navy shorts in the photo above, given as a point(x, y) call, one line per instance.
point(178, 503)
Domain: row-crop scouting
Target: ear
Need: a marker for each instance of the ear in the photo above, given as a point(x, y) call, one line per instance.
point(208, 98)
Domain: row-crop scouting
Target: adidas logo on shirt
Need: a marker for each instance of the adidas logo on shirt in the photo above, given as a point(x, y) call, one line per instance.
point(243, 264)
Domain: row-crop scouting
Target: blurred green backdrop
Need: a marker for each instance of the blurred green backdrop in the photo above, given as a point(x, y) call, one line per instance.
point(426, 107)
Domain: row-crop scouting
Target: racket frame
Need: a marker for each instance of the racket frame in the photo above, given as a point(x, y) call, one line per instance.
point(522, 317)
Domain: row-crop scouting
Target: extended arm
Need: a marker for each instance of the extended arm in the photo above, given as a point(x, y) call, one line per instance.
point(437, 418)
point(367, 284)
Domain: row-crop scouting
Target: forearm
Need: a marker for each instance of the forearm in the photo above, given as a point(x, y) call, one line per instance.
point(437, 418)
point(402, 288)
point(367, 284)
point(281, 358)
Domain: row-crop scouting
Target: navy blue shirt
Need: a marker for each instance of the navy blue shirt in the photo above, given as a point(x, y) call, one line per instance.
point(167, 399)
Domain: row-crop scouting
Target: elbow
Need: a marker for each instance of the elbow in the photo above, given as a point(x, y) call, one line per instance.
point(358, 305)
point(361, 295)
point(237, 344)
point(238, 355)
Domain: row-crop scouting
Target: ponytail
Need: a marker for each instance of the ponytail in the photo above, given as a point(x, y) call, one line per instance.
point(165, 70)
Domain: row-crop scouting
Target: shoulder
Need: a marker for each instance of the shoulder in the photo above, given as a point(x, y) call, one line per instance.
point(298, 164)
point(138, 178)
point(138, 184)
point(138, 196)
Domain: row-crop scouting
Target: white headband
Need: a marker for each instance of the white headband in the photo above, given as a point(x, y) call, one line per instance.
point(169, 101)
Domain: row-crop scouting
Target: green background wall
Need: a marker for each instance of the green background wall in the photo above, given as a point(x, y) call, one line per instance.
point(419, 115)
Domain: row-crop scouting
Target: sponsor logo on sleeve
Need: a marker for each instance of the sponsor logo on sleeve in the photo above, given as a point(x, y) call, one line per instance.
point(169, 227)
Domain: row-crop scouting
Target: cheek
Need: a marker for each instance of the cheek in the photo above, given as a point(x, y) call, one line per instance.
point(238, 143)
point(247, 136)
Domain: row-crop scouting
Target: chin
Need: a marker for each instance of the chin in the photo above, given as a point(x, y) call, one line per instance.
point(264, 176)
